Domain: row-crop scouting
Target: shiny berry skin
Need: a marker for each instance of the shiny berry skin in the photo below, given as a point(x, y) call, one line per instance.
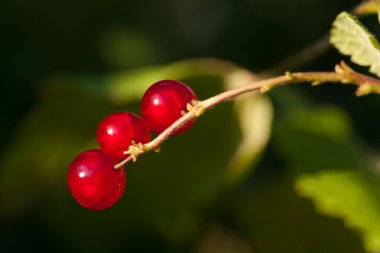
point(162, 104)
point(93, 181)
point(117, 131)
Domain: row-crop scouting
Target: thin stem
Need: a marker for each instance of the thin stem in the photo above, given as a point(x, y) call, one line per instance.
point(319, 46)
point(343, 74)
point(300, 58)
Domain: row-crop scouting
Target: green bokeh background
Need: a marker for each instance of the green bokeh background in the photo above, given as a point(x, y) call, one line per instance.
point(311, 185)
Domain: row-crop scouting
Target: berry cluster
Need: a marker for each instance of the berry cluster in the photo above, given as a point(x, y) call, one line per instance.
point(92, 178)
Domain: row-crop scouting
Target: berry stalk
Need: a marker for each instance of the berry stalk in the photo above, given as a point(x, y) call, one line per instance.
point(343, 74)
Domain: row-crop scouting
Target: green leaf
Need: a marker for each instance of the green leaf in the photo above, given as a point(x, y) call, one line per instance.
point(328, 164)
point(255, 115)
point(132, 84)
point(317, 138)
point(273, 211)
point(351, 38)
point(351, 195)
point(126, 86)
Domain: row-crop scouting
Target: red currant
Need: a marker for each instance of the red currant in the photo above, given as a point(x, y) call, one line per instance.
point(117, 131)
point(163, 103)
point(93, 181)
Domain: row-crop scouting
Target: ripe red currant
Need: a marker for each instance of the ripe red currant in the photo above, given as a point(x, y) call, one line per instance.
point(93, 181)
point(117, 131)
point(163, 103)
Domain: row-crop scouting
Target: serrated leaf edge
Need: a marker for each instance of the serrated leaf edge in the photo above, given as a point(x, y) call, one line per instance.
point(369, 48)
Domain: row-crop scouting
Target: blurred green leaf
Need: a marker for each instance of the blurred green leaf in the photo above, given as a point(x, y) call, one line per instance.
point(351, 38)
point(314, 139)
point(129, 85)
point(329, 165)
point(50, 136)
point(351, 195)
point(255, 115)
point(276, 220)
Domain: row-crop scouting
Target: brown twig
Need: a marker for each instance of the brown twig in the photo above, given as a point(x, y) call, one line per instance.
point(342, 74)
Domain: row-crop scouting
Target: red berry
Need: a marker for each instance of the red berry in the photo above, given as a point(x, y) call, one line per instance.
point(93, 181)
point(163, 103)
point(117, 131)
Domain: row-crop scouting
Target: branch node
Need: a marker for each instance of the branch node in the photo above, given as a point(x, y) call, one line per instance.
point(189, 107)
point(339, 69)
point(347, 73)
point(197, 107)
point(346, 68)
point(289, 75)
point(367, 88)
point(363, 89)
point(200, 109)
point(265, 88)
point(135, 150)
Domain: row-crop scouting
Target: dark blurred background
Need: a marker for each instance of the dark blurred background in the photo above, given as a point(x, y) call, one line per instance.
point(310, 185)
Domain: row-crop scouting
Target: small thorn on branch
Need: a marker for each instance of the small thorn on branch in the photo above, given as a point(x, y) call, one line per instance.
point(200, 109)
point(196, 107)
point(289, 75)
point(264, 89)
point(338, 69)
point(189, 107)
